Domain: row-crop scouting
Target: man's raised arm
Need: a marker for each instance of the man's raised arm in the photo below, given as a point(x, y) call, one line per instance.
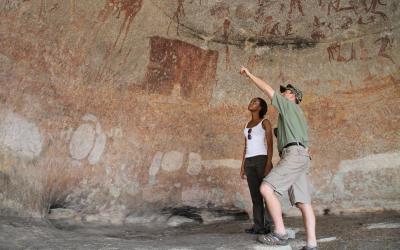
point(265, 87)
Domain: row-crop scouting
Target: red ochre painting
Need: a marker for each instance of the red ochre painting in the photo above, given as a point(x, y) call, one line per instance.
point(177, 64)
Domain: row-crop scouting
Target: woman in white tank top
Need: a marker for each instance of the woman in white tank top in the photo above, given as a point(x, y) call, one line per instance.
point(257, 162)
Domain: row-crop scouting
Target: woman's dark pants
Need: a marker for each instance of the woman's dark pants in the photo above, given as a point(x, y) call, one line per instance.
point(254, 169)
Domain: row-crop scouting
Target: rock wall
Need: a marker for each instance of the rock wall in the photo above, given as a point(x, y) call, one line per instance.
point(110, 107)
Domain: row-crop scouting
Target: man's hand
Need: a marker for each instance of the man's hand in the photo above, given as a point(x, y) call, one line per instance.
point(244, 70)
point(309, 152)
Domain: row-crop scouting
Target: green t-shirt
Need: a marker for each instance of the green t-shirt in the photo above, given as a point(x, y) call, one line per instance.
point(292, 125)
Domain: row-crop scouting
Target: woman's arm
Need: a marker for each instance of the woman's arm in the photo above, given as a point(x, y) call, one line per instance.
point(242, 172)
point(268, 136)
point(265, 87)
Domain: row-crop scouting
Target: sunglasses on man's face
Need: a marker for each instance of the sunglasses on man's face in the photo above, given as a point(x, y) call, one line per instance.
point(249, 134)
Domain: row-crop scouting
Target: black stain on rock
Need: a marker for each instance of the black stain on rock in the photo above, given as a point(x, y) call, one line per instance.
point(195, 213)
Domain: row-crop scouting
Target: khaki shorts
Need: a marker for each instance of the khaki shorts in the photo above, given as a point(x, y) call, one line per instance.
point(290, 175)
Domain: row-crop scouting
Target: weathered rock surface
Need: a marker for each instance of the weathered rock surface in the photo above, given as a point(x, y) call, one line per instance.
point(112, 107)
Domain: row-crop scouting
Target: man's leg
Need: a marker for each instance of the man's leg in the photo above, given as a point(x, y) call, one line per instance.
point(292, 164)
point(274, 208)
point(309, 223)
point(300, 195)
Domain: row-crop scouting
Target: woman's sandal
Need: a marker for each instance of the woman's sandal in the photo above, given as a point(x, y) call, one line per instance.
point(274, 239)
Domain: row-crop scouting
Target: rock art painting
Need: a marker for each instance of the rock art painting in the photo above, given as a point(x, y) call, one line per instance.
point(173, 62)
point(88, 140)
point(154, 116)
point(19, 135)
point(174, 160)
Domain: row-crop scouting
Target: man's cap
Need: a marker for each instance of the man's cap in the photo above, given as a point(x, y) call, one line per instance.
point(297, 92)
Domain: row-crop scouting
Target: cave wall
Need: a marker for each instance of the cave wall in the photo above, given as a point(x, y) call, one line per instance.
point(114, 106)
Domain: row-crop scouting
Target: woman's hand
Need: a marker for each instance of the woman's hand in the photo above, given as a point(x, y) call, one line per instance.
point(268, 168)
point(242, 174)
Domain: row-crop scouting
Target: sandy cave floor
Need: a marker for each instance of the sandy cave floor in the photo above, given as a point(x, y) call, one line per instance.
point(355, 231)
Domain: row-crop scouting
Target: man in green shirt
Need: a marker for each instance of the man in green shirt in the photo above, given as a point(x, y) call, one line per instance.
point(290, 174)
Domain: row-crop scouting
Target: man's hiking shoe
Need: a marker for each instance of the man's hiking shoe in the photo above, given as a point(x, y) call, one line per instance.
point(274, 239)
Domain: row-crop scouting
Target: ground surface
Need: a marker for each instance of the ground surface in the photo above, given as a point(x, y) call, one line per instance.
point(360, 231)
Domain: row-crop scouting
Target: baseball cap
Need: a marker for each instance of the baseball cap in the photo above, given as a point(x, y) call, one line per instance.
point(297, 92)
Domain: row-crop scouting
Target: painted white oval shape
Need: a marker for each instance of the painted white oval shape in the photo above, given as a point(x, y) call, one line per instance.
point(20, 135)
point(82, 141)
point(98, 149)
point(172, 161)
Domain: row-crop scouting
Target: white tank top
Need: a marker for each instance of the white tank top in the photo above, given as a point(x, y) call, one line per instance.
point(256, 145)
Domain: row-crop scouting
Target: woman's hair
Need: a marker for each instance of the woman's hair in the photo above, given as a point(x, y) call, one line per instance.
point(264, 107)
